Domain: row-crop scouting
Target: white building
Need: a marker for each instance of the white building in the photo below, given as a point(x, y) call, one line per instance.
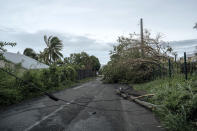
point(26, 62)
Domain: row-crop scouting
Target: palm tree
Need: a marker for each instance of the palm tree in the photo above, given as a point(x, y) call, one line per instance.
point(31, 53)
point(43, 57)
point(54, 46)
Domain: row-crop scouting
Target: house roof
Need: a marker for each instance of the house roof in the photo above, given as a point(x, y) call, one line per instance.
point(26, 62)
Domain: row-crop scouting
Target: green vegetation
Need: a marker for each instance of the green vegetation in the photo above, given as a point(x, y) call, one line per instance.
point(31, 53)
point(61, 74)
point(134, 62)
point(83, 60)
point(51, 54)
point(177, 99)
point(52, 79)
point(145, 64)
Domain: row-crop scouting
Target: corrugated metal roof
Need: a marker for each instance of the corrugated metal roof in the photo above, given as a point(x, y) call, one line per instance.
point(26, 62)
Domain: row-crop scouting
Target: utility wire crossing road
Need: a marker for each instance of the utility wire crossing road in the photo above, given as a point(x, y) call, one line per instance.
point(92, 106)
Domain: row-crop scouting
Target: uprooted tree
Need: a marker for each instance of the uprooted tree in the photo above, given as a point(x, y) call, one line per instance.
point(136, 61)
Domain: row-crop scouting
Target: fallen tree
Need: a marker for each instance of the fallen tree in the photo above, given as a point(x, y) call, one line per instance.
point(125, 95)
point(133, 62)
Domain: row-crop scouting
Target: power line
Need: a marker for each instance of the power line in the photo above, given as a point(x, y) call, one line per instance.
point(31, 84)
point(59, 99)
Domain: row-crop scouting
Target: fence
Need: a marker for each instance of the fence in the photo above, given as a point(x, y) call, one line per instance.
point(183, 66)
point(81, 74)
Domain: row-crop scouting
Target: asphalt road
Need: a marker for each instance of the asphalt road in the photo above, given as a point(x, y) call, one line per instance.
point(43, 114)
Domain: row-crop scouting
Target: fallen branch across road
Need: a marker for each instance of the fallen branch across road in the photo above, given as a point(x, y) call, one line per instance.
point(143, 103)
point(147, 95)
point(136, 99)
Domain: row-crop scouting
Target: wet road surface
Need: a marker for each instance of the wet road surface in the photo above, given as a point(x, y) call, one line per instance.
point(43, 114)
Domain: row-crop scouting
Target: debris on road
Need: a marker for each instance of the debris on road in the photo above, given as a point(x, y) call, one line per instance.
point(127, 94)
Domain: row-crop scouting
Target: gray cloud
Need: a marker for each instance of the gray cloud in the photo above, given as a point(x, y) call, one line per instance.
point(104, 19)
point(26, 21)
point(188, 46)
point(76, 43)
point(72, 43)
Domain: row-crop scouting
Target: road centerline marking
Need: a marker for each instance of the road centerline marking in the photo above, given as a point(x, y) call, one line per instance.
point(46, 117)
point(77, 87)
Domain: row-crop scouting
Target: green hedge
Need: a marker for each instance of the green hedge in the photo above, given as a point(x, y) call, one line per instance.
point(10, 96)
point(54, 78)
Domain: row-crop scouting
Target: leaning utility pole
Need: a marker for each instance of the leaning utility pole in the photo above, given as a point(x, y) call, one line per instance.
point(142, 36)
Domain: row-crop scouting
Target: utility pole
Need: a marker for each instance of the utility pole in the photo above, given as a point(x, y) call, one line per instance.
point(170, 69)
point(175, 57)
point(185, 65)
point(142, 36)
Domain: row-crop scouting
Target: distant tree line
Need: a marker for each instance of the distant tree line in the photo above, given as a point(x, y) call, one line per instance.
point(62, 73)
point(83, 61)
point(52, 55)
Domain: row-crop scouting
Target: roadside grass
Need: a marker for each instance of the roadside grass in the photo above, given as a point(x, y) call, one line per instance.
point(54, 79)
point(177, 99)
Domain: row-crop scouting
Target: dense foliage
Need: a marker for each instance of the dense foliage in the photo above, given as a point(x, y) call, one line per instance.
point(52, 52)
point(54, 78)
point(177, 99)
point(83, 61)
point(61, 74)
point(31, 53)
point(134, 61)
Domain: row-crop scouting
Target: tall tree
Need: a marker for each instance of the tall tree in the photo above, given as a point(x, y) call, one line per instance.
point(31, 53)
point(43, 57)
point(83, 60)
point(54, 46)
point(95, 63)
point(128, 65)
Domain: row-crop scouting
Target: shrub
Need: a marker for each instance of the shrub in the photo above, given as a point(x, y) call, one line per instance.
point(34, 78)
point(177, 99)
point(54, 78)
point(72, 74)
point(45, 78)
point(10, 96)
point(6, 80)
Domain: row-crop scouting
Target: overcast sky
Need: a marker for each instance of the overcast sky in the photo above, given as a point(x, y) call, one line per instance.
point(93, 25)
